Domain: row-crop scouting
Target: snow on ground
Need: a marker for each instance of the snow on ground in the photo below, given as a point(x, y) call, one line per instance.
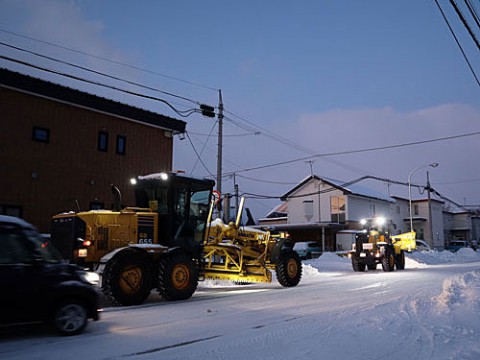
point(451, 319)
point(430, 310)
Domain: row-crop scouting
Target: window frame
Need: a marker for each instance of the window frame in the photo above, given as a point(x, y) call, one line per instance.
point(121, 141)
point(37, 132)
point(102, 135)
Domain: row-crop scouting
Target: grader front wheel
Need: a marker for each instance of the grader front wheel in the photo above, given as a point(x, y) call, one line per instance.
point(289, 268)
point(127, 279)
point(177, 276)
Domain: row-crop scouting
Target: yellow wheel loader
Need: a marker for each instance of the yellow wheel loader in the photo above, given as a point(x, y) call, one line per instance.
point(168, 242)
point(374, 245)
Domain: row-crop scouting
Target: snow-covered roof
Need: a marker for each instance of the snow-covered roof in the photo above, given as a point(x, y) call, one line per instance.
point(353, 189)
point(47, 89)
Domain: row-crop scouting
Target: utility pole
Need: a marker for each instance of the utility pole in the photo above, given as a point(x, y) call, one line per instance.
point(220, 142)
point(429, 212)
point(235, 186)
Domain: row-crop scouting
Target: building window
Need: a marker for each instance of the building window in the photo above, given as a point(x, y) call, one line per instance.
point(415, 209)
point(41, 134)
point(11, 210)
point(121, 144)
point(337, 209)
point(419, 234)
point(102, 141)
point(308, 209)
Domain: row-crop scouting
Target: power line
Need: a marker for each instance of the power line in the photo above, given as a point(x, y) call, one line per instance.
point(458, 43)
point(99, 73)
point(346, 184)
point(110, 60)
point(198, 156)
point(203, 148)
point(473, 12)
point(358, 151)
point(289, 143)
point(183, 113)
point(266, 181)
point(227, 135)
point(465, 23)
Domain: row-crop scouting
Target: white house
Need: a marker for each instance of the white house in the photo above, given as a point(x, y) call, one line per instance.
point(427, 219)
point(319, 207)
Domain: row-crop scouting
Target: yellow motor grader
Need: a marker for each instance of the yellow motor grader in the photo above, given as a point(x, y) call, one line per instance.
point(168, 242)
point(374, 245)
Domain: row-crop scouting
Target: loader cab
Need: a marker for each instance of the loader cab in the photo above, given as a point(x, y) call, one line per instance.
point(182, 204)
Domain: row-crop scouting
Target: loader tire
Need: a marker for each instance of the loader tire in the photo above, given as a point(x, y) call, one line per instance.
point(400, 261)
point(357, 265)
point(127, 279)
point(388, 260)
point(289, 268)
point(177, 276)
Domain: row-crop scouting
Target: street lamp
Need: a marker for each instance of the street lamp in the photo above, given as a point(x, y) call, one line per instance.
point(434, 165)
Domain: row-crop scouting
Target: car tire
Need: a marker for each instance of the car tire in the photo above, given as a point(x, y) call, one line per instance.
point(70, 317)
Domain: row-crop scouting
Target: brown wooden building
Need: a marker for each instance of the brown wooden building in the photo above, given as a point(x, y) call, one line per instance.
point(61, 149)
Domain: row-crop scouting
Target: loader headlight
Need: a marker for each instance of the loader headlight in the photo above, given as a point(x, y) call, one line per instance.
point(89, 276)
point(380, 221)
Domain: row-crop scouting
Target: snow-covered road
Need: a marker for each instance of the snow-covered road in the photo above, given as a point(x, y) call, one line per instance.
point(424, 312)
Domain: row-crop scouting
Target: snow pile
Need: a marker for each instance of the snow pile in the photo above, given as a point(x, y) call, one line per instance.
point(434, 257)
point(329, 264)
point(460, 292)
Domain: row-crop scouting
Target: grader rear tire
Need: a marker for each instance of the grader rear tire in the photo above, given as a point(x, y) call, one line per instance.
point(289, 268)
point(177, 276)
point(127, 279)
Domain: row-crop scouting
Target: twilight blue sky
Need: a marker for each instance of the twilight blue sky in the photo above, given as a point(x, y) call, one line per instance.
point(309, 77)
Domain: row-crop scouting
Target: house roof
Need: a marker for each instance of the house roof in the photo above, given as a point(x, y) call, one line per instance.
point(279, 211)
point(38, 87)
point(353, 189)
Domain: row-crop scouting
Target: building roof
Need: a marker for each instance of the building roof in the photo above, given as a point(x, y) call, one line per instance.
point(353, 189)
point(38, 87)
point(280, 211)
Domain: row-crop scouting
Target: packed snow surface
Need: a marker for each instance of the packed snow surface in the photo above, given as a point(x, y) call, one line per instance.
point(430, 310)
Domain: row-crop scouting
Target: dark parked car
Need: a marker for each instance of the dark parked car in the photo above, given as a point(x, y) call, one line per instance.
point(307, 250)
point(456, 245)
point(37, 286)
